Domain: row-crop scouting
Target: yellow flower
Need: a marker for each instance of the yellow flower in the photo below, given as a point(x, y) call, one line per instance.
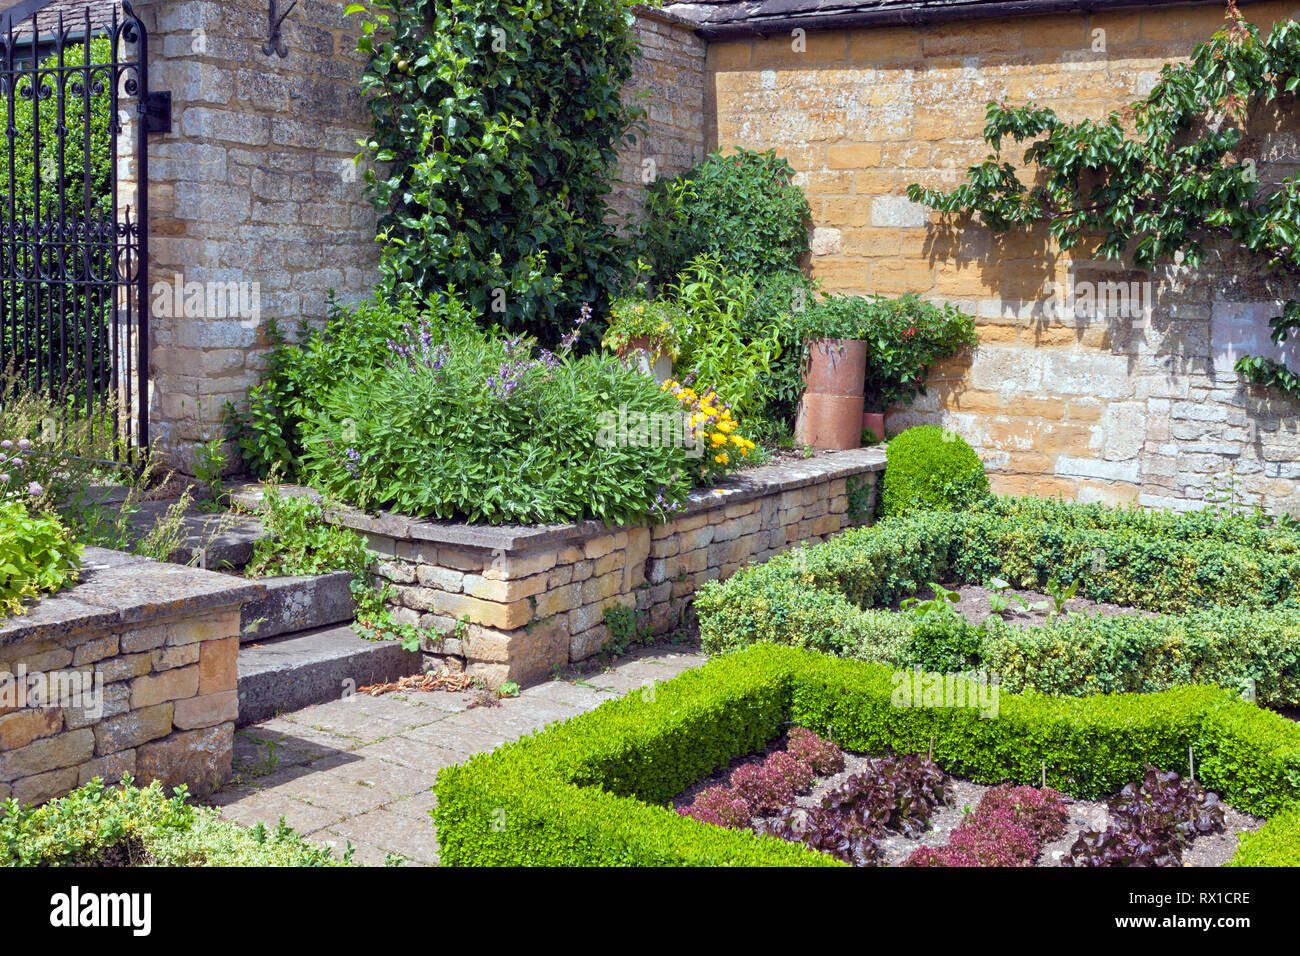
point(720, 459)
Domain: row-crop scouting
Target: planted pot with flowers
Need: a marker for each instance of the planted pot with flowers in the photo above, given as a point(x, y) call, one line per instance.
point(904, 337)
point(895, 340)
point(646, 330)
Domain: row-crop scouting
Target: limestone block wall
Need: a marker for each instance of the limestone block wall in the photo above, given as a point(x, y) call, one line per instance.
point(514, 603)
point(254, 195)
point(669, 85)
point(1098, 403)
point(132, 671)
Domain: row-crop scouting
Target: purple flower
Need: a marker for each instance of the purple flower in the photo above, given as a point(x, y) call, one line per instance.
point(353, 460)
point(35, 490)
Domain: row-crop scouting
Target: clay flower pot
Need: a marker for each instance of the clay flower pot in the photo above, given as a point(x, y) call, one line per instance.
point(876, 422)
point(830, 411)
point(649, 358)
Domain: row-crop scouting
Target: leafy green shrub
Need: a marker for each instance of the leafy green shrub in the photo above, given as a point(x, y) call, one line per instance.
point(779, 299)
point(37, 556)
point(1231, 647)
point(495, 127)
point(1257, 531)
point(474, 427)
point(355, 342)
point(945, 644)
point(741, 207)
point(929, 468)
point(582, 792)
point(126, 825)
point(298, 539)
point(720, 349)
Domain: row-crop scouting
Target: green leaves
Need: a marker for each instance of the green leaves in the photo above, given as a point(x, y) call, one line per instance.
point(37, 556)
point(497, 126)
point(742, 208)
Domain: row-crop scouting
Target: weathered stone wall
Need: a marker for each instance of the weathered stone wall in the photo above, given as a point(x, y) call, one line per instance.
point(1091, 405)
point(514, 603)
point(669, 85)
point(253, 191)
point(159, 644)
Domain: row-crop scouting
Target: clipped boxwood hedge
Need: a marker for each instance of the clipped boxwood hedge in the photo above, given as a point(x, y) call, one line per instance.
point(1276, 843)
point(585, 792)
point(1232, 589)
point(932, 469)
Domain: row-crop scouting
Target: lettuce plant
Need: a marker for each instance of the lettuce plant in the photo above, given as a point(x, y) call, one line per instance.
point(823, 756)
point(1154, 821)
point(1007, 828)
point(720, 806)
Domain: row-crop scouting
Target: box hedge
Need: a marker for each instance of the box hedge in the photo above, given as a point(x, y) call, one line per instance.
point(590, 791)
point(1231, 587)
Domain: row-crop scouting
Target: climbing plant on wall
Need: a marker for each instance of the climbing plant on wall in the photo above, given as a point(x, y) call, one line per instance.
point(496, 125)
point(1164, 179)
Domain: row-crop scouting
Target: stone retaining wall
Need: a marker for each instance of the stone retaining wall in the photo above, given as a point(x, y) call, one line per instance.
point(515, 603)
point(156, 645)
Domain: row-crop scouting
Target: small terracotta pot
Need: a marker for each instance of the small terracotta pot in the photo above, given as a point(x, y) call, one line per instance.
point(876, 422)
point(830, 411)
point(639, 343)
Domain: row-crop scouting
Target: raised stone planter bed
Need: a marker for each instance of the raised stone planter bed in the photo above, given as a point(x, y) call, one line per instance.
point(134, 671)
point(535, 596)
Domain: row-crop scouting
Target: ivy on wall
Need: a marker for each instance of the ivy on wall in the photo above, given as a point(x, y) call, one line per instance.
point(496, 127)
point(1163, 179)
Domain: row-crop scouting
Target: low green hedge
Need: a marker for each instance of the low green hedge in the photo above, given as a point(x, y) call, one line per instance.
point(584, 792)
point(1252, 531)
point(1276, 843)
point(1236, 607)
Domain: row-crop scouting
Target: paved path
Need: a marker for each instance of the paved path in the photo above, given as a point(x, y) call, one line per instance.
point(359, 769)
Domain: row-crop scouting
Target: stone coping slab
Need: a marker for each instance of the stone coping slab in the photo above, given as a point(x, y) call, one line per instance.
point(119, 588)
point(739, 488)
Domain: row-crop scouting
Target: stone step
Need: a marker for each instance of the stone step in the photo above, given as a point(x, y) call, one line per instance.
point(297, 603)
point(311, 667)
point(216, 542)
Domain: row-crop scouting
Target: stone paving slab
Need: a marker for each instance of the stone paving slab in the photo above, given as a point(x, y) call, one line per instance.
point(360, 769)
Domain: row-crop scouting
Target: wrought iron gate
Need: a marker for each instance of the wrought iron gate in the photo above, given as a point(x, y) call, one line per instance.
point(74, 240)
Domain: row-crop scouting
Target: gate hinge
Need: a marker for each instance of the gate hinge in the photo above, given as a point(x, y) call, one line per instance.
point(156, 108)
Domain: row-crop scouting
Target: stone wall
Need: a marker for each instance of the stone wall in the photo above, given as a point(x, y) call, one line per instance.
point(1096, 404)
point(668, 84)
point(254, 194)
point(514, 603)
point(156, 647)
